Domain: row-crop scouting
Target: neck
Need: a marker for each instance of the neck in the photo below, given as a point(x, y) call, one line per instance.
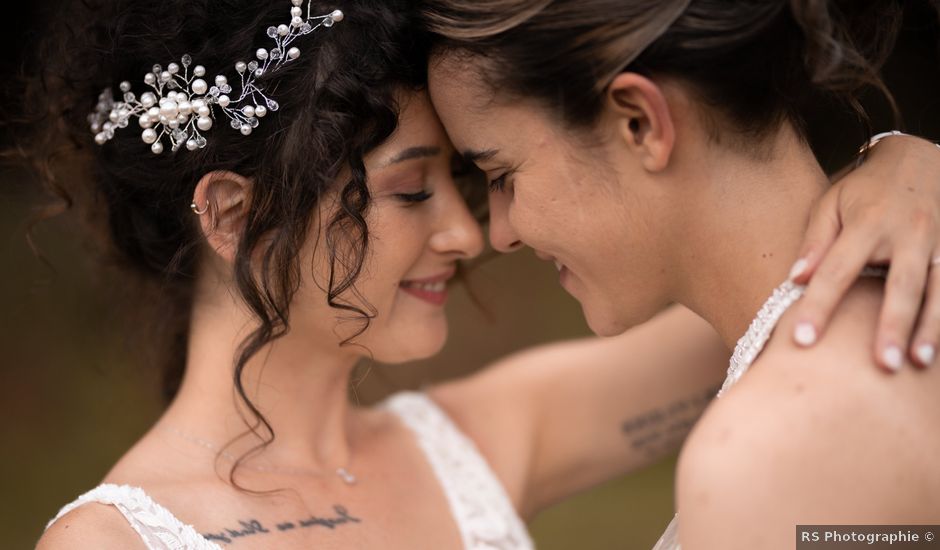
point(741, 233)
point(299, 387)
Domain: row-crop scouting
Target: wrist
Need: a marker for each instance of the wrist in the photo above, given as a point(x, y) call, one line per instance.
point(893, 135)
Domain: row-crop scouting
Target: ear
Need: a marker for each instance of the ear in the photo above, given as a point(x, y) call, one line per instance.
point(221, 201)
point(643, 119)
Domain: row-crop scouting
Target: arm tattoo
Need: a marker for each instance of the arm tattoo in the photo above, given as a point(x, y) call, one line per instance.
point(254, 527)
point(662, 430)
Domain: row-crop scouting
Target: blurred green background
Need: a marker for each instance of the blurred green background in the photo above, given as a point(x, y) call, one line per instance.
point(74, 396)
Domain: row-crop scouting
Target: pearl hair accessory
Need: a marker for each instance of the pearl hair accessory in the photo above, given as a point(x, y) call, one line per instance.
point(182, 104)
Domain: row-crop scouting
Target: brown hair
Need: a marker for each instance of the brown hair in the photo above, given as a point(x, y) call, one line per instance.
point(754, 62)
point(337, 103)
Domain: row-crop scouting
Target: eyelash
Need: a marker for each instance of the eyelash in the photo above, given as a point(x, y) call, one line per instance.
point(499, 184)
point(415, 198)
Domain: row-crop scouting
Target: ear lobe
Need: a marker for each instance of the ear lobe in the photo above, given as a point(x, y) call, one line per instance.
point(221, 201)
point(643, 118)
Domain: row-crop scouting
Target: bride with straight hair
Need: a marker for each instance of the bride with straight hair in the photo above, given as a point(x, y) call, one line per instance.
point(282, 191)
point(656, 152)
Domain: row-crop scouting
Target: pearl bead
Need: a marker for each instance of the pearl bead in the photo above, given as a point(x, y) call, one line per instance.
point(282, 30)
point(204, 123)
point(224, 101)
point(296, 11)
point(260, 111)
point(169, 108)
point(245, 129)
point(101, 138)
point(220, 80)
point(171, 95)
point(293, 53)
point(173, 68)
point(165, 76)
point(199, 86)
point(125, 86)
point(145, 121)
point(199, 70)
point(173, 124)
point(297, 2)
point(154, 113)
point(296, 22)
point(148, 100)
point(182, 119)
point(248, 111)
point(150, 79)
point(113, 116)
point(185, 107)
point(204, 111)
point(149, 136)
point(191, 144)
point(261, 54)
point(337, 15)
point(197, 103)
point(164, 120)
point(157, 148)
point(241, 67)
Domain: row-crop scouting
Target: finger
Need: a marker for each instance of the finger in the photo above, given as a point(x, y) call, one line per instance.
point(824, 227)
point(927, 336)
point(904, 293)
point(838, 271)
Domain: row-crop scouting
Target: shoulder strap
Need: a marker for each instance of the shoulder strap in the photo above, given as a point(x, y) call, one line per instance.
point(157, 527)
point(478, 501)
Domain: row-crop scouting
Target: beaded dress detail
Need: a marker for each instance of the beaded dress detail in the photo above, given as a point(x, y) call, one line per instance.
point(478, 502)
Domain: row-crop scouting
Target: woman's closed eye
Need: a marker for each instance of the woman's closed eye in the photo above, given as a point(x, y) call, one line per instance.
point(498, 184)
point(414, 198)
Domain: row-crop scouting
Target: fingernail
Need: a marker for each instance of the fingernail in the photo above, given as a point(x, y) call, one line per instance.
point(925, 353)
point(892, 357)
point(798, 268)
point(805, 334)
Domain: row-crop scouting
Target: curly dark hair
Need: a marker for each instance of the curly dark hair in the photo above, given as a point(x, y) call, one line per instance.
point(337, 103)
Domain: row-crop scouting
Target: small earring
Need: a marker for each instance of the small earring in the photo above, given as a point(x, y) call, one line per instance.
point(196, 209)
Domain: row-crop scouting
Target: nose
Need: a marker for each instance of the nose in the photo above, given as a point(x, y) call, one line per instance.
point(502, 235)
point(458, 231)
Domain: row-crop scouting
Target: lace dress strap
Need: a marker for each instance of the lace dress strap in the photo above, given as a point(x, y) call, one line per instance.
point(479, 503)
point(157, 527)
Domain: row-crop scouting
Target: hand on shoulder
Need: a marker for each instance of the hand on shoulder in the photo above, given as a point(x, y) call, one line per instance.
point(813, 436)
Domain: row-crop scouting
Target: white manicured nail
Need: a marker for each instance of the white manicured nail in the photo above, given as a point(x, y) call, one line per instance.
point(925, 354)
point(893, 358)
point(798, 268)
point(805, 334)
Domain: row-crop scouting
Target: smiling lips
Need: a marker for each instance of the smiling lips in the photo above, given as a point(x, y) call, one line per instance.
point(432, 289)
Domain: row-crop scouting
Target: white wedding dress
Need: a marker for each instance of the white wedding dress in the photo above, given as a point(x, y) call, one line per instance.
point(745, 353)
point(481, 508)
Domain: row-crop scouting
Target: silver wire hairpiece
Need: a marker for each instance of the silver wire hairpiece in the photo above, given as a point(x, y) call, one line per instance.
point(181, 105)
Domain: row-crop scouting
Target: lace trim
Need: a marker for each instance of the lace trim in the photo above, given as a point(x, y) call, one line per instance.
point(478, 501)
point(157, 527)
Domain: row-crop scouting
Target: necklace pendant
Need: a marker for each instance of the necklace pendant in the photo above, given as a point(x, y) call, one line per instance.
point(346, 476)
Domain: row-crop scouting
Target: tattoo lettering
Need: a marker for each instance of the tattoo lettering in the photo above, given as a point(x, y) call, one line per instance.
point(661, 430)
point(254, 527)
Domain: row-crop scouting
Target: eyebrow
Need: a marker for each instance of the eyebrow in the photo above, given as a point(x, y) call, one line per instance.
point(415, 153)
point(474, 156)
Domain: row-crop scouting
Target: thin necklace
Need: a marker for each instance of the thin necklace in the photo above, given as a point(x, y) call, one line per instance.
point(343, 473)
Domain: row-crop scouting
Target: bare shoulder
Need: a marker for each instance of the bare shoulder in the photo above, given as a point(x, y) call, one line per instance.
point(817, 436)
point(97, 526)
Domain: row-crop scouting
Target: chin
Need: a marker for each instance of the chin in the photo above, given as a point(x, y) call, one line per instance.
point(415, 344)
point(605, 321)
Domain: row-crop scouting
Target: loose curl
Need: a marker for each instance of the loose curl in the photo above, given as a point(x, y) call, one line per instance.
point(337, 103)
